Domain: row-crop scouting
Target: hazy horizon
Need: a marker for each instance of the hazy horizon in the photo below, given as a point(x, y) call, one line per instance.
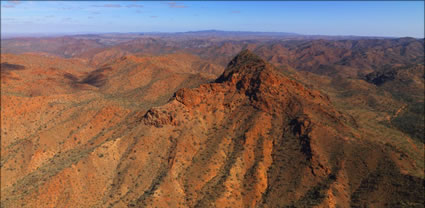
point(373, 19)
point(58, 34)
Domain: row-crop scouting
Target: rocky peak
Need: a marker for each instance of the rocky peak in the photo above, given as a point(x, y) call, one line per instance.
point(245, 63)
point(266, 89)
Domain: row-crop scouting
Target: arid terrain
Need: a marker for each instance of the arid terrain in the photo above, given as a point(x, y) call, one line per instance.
point(212, 119)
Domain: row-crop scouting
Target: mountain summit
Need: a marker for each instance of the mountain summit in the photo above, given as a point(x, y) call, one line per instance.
point(244, 63)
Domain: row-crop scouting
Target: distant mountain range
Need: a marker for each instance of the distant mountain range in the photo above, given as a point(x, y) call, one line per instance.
point(201, 33)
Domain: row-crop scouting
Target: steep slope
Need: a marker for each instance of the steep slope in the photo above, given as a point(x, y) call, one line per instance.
point(253, 138)
point(378, 109)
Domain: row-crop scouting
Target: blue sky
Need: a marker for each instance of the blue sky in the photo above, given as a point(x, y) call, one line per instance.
point(363, 18)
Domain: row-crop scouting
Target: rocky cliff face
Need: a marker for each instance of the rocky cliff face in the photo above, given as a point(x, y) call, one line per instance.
point(252, 138)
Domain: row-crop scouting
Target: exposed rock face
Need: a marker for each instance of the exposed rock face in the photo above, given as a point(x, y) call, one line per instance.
point(158, 118)
point(252, 138)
